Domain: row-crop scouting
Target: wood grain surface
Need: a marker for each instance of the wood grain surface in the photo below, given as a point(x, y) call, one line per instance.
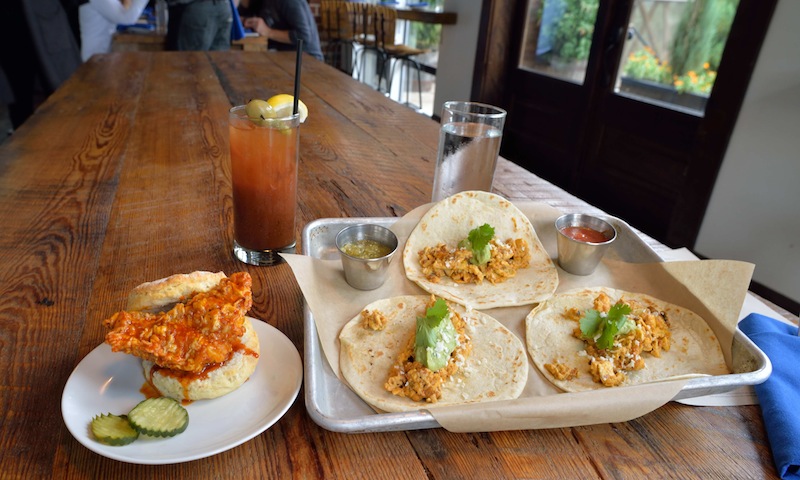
point(122, 176)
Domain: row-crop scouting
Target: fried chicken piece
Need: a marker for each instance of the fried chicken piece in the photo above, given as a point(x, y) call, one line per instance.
point(192, 335)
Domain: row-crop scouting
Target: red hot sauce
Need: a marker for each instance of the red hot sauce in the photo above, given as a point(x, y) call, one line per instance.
point(584, 234)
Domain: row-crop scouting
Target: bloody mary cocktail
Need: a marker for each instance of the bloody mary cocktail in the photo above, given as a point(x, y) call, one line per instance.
point(264, 177)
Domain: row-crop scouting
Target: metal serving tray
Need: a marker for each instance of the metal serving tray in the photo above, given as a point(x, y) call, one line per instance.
point(333, 406)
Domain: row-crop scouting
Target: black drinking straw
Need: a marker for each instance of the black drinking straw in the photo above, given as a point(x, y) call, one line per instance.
point(297, 64)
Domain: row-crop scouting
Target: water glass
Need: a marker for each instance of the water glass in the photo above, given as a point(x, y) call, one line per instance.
point(469, 144)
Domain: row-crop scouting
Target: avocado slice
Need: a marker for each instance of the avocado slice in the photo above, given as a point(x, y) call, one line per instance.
point(436, 337)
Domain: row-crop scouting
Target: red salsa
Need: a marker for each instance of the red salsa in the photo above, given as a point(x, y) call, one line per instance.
point(584, 234)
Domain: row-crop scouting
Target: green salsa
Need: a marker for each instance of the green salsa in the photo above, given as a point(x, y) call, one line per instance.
point(366, 248)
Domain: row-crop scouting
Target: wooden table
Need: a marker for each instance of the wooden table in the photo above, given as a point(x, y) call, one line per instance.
point(122, 176)
point(156, 42)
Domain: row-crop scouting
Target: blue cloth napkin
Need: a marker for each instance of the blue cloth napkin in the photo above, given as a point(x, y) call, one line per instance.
point(237, 29)
point(779, 396)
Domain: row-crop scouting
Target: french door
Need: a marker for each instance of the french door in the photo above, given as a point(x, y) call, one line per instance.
point(629, 104)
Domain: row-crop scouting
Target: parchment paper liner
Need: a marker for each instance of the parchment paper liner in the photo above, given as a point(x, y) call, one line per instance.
point(714, 289)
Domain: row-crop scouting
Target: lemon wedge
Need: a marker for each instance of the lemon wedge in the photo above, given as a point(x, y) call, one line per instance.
point(283, 103)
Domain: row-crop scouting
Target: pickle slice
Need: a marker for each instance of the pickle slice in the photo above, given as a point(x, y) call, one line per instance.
point(159, 417)
point(113, 430)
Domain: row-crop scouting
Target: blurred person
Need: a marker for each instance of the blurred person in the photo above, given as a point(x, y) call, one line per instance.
point(199, 25)
point(71, 8)
point(282, 23)
point(18, 61)
point(37, 53)
point(98, 21)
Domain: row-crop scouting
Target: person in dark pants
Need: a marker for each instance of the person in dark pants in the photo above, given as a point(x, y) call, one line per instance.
point(33, 73)
point(282, 23)
point(199, 25)
point(18, 61)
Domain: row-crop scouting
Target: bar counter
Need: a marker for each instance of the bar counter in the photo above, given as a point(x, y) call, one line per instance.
point(122, 176)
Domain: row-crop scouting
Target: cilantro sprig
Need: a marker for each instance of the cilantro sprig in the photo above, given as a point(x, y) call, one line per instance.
point(607, 325)
point(436, 336)
point(478, 241)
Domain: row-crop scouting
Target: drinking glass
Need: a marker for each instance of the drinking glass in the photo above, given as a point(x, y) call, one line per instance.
point(469, 144)
point(264, 156)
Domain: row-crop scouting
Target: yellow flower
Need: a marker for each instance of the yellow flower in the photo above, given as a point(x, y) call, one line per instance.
point(706, 66)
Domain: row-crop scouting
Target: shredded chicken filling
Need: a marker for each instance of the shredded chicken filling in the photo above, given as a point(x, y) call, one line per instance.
point(561, 371)
point(651, 336)
point(374, 319)
point(442, 261)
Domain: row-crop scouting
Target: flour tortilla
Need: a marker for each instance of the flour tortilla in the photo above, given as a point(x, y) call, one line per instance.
point(497, 368)
point(450, 221)
point(694, 352)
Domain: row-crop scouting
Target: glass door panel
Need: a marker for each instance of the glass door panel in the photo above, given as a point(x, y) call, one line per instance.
point(558, 37)
point(423, 36)
point(673, 50)
point(605, 127)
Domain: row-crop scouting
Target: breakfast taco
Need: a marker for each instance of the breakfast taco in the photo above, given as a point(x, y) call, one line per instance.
point(600, 337)
point(413, 352)
point(479, 250)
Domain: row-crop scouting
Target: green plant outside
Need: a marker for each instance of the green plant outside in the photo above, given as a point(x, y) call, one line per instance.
point(643, 65)
point(426, 35)
point(572, 33)
point(695, 53)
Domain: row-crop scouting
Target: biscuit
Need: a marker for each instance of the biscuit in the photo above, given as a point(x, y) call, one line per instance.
point(221, 380)
point(162, 295)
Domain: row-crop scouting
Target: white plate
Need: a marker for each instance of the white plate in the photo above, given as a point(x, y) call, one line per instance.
point(105, 382)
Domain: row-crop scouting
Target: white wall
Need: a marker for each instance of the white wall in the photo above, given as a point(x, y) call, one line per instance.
point(457, 53)
point(754, 213)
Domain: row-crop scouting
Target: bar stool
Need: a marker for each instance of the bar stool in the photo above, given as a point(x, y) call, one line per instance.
point(336, 32)
point(395, 53)
point(365, 27)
